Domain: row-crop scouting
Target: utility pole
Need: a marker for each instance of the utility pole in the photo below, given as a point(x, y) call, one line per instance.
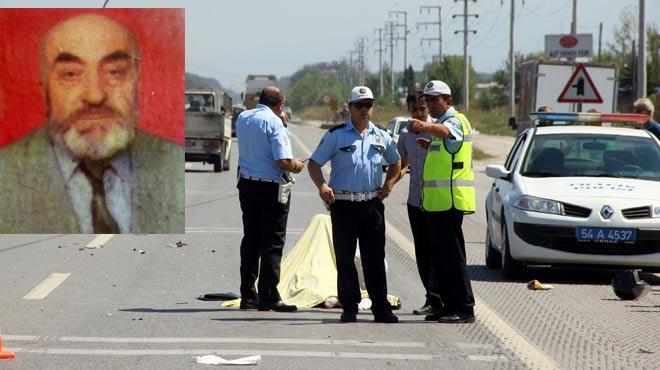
point(466, 63)
point(600, 37)
point(574, 24)
point(512, 70)
point(391, 27)
point(360, 52)
point(380, 59)
point(439, 23)
point(405, 34)
point(350, 68)
point(641, 61)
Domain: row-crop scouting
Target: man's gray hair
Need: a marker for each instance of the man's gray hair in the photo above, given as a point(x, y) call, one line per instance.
point(644, 104)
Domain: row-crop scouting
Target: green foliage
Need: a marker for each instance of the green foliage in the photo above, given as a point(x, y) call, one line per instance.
point(409, 80)
point(450, 70)
point(501, 77)
point(621, 52)
point(313, 87)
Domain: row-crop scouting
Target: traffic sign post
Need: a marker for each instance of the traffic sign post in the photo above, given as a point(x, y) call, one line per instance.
point(579, 89)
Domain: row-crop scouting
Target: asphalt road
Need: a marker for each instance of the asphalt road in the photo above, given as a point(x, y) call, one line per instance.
point(68, 303)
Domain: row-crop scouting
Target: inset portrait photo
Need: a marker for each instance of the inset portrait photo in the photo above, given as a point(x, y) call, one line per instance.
point(92, 121)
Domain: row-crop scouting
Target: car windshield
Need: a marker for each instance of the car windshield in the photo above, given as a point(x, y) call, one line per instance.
point(592, 155)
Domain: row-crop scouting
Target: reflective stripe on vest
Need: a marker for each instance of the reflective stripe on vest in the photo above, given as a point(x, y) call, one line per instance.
point(448, 178)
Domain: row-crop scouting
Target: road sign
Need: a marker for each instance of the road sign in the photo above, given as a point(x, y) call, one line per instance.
point(580, 88)
point(568, 46)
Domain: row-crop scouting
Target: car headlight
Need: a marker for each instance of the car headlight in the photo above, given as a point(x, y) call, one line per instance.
point(534, 204)
point(656, 212)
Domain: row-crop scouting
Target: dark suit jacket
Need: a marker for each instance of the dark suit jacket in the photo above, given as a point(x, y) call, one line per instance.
point(34, 198)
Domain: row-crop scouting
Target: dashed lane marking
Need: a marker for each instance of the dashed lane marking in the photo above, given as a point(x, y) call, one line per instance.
point(487, 358)
point(47, 286)
point(99, 241)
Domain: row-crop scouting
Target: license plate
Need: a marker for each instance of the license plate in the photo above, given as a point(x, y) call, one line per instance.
point(605, 234)
point(191, 143)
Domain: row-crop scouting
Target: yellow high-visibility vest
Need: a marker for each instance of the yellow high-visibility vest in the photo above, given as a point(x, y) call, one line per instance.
point(449, 178)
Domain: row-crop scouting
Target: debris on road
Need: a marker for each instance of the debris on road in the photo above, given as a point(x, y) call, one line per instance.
point(218, 296)
point(537, 285)
point(217, 360)
point(141, 251)
point(628, 286)
point(178, 244)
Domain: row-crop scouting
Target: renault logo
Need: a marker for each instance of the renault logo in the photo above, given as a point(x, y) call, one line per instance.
point(606, 212)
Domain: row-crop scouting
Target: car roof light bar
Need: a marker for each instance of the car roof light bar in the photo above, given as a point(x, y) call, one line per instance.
point(590, 117)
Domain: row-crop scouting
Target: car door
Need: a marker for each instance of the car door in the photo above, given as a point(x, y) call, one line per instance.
point(500, 188)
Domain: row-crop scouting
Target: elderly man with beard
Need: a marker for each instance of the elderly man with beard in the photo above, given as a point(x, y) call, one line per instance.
point(88, 170)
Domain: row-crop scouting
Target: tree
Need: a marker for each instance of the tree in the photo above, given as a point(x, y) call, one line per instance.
point(500, 93)
point(313, 88)
point(450, 70)
point(409, 79)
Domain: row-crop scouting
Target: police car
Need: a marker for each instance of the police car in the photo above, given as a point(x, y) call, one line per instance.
point(571, 194)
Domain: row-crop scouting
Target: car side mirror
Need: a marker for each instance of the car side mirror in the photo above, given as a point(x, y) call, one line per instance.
point(497, 171)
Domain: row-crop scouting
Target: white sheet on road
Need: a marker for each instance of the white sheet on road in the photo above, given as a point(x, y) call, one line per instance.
point(217, 360)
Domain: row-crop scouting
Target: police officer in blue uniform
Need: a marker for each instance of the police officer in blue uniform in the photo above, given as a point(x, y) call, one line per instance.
point(265, 161)
point(354, 194)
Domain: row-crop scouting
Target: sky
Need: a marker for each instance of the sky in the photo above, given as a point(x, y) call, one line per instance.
point(229, 39)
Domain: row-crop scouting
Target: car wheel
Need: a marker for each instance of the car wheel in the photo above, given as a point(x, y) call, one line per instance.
point(493, 258)
point(218, 163)
point(511, 268)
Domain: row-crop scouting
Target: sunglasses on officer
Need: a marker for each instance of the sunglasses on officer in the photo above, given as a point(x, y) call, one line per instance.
point(363, 104)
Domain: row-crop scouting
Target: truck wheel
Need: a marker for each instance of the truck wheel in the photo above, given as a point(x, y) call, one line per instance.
point(218, 163)
point(225, 166)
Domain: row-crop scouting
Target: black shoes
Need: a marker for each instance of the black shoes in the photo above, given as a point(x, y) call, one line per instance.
point(386, 317)
point(278, 306)
point(427, 309)
point(249, 304)
point(457, 318)
point(348, 316)
point(434, 316)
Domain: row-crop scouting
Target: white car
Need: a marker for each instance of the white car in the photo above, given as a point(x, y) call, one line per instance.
point(395, 126)
point(575, 195)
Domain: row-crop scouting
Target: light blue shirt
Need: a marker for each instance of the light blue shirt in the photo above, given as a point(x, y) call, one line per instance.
point(116, 183)
point(262, 140)
point(355, 160)
point(454, 126)
point(408, 147)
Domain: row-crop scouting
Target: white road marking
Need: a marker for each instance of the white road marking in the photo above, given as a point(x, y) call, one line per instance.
point(487, 358)
point(217, 351)
point(47, 286)
point(41, 349)
point(229, 340)
point(100, 240)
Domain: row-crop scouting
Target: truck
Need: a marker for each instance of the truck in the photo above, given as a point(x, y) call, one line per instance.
point(208, 127)
point(253, 86)
point(542, 83)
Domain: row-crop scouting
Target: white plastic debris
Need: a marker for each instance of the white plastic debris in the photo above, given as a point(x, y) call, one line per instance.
point(217, 360)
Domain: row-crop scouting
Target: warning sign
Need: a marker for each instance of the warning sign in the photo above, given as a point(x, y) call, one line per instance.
point(580, 88)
